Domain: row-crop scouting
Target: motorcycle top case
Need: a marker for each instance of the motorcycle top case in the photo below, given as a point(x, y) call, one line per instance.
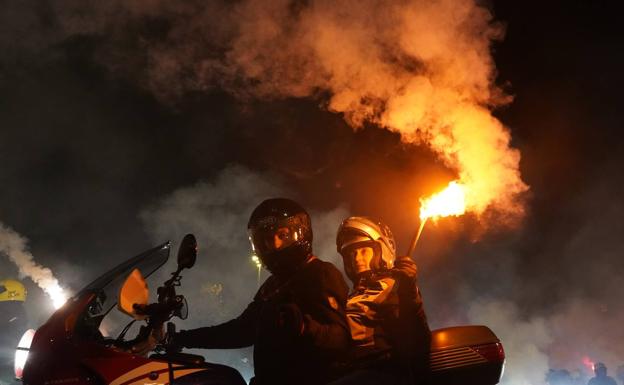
point(466, 355)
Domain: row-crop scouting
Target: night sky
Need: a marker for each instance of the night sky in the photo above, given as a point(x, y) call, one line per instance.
point(96, 160)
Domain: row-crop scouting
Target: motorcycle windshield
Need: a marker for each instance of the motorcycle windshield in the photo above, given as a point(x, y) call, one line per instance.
point(107, 286)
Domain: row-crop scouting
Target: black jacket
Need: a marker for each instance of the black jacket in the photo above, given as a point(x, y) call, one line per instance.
point(388, 325)
point(316, 295)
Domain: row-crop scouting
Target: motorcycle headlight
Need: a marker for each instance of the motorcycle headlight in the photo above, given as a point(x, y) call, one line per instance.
point(21, 353)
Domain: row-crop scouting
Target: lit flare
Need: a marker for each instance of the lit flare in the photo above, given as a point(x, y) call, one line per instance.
point(589, 364)
point(450, 201)
point(57, 294)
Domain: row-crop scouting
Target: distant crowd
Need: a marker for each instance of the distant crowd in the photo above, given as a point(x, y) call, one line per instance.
point(564, 377)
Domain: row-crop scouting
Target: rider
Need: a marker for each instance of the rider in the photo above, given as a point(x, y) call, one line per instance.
point(385, 310)
point(296, 321)
point(601, 378)
point(13, 322)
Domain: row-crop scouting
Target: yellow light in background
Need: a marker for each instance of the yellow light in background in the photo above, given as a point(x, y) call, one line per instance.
point(258, 263)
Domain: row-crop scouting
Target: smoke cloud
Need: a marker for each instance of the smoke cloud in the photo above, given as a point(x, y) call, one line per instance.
point(524, 340)
point(16, 248)
point(420, 68)
point(573, 337)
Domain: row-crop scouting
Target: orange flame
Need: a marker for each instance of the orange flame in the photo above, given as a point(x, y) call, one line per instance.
point(450, 201)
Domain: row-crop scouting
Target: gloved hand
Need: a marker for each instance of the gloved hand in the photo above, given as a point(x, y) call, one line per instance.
point(290, 319)
point(405, 268)
point(158, 332)
point(149, 338)
point(171, 341)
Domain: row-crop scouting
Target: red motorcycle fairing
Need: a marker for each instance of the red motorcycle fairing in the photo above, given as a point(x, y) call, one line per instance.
point(124, 370)
point(58, 356)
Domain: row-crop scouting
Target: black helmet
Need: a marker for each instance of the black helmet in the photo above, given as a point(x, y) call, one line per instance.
point(280, 232)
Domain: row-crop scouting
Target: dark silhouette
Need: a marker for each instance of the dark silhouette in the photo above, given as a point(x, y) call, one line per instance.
point(297, 320)
point(601, 378)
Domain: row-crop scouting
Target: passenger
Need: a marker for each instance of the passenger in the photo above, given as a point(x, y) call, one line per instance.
point(385, 310)
point(297, 320)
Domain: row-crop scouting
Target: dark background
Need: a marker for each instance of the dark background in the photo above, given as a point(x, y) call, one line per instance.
point(86, 152)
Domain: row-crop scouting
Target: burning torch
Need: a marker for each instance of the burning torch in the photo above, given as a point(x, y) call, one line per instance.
point(450, 201)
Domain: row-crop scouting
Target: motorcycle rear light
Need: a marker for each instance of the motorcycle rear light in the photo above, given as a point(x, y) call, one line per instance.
point(491, 352)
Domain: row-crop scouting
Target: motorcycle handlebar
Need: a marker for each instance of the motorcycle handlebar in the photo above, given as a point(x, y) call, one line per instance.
point(160, 310)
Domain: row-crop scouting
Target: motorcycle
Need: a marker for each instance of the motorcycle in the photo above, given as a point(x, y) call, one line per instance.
point(70, 349)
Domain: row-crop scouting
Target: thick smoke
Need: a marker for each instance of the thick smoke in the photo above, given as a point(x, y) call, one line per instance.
point(15, 247)
point(577, 334)
point(420, 68)
point(224, 279)
point(524, 340)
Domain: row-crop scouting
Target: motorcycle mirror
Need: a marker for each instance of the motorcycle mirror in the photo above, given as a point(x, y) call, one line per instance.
point(133, 293)
point(187, 253)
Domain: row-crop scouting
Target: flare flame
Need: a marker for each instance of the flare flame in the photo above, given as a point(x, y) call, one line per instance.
point(15, 247)
point(57, 294)
point(450, 201)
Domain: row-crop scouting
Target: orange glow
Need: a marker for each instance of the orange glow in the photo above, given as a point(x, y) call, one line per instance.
point(450, 201)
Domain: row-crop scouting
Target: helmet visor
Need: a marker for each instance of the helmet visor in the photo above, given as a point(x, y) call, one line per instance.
point(347, 239)
point(274, 235)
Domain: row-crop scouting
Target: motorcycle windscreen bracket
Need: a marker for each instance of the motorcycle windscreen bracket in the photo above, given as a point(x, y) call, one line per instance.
point(133, 292)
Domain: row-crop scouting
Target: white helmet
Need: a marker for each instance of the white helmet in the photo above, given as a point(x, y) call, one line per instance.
point(357, 232)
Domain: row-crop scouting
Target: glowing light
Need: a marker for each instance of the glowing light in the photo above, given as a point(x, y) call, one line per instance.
point(258, 263)
point(21, 354)
point(589, 364)
point(57, 294)
point(450, 201)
